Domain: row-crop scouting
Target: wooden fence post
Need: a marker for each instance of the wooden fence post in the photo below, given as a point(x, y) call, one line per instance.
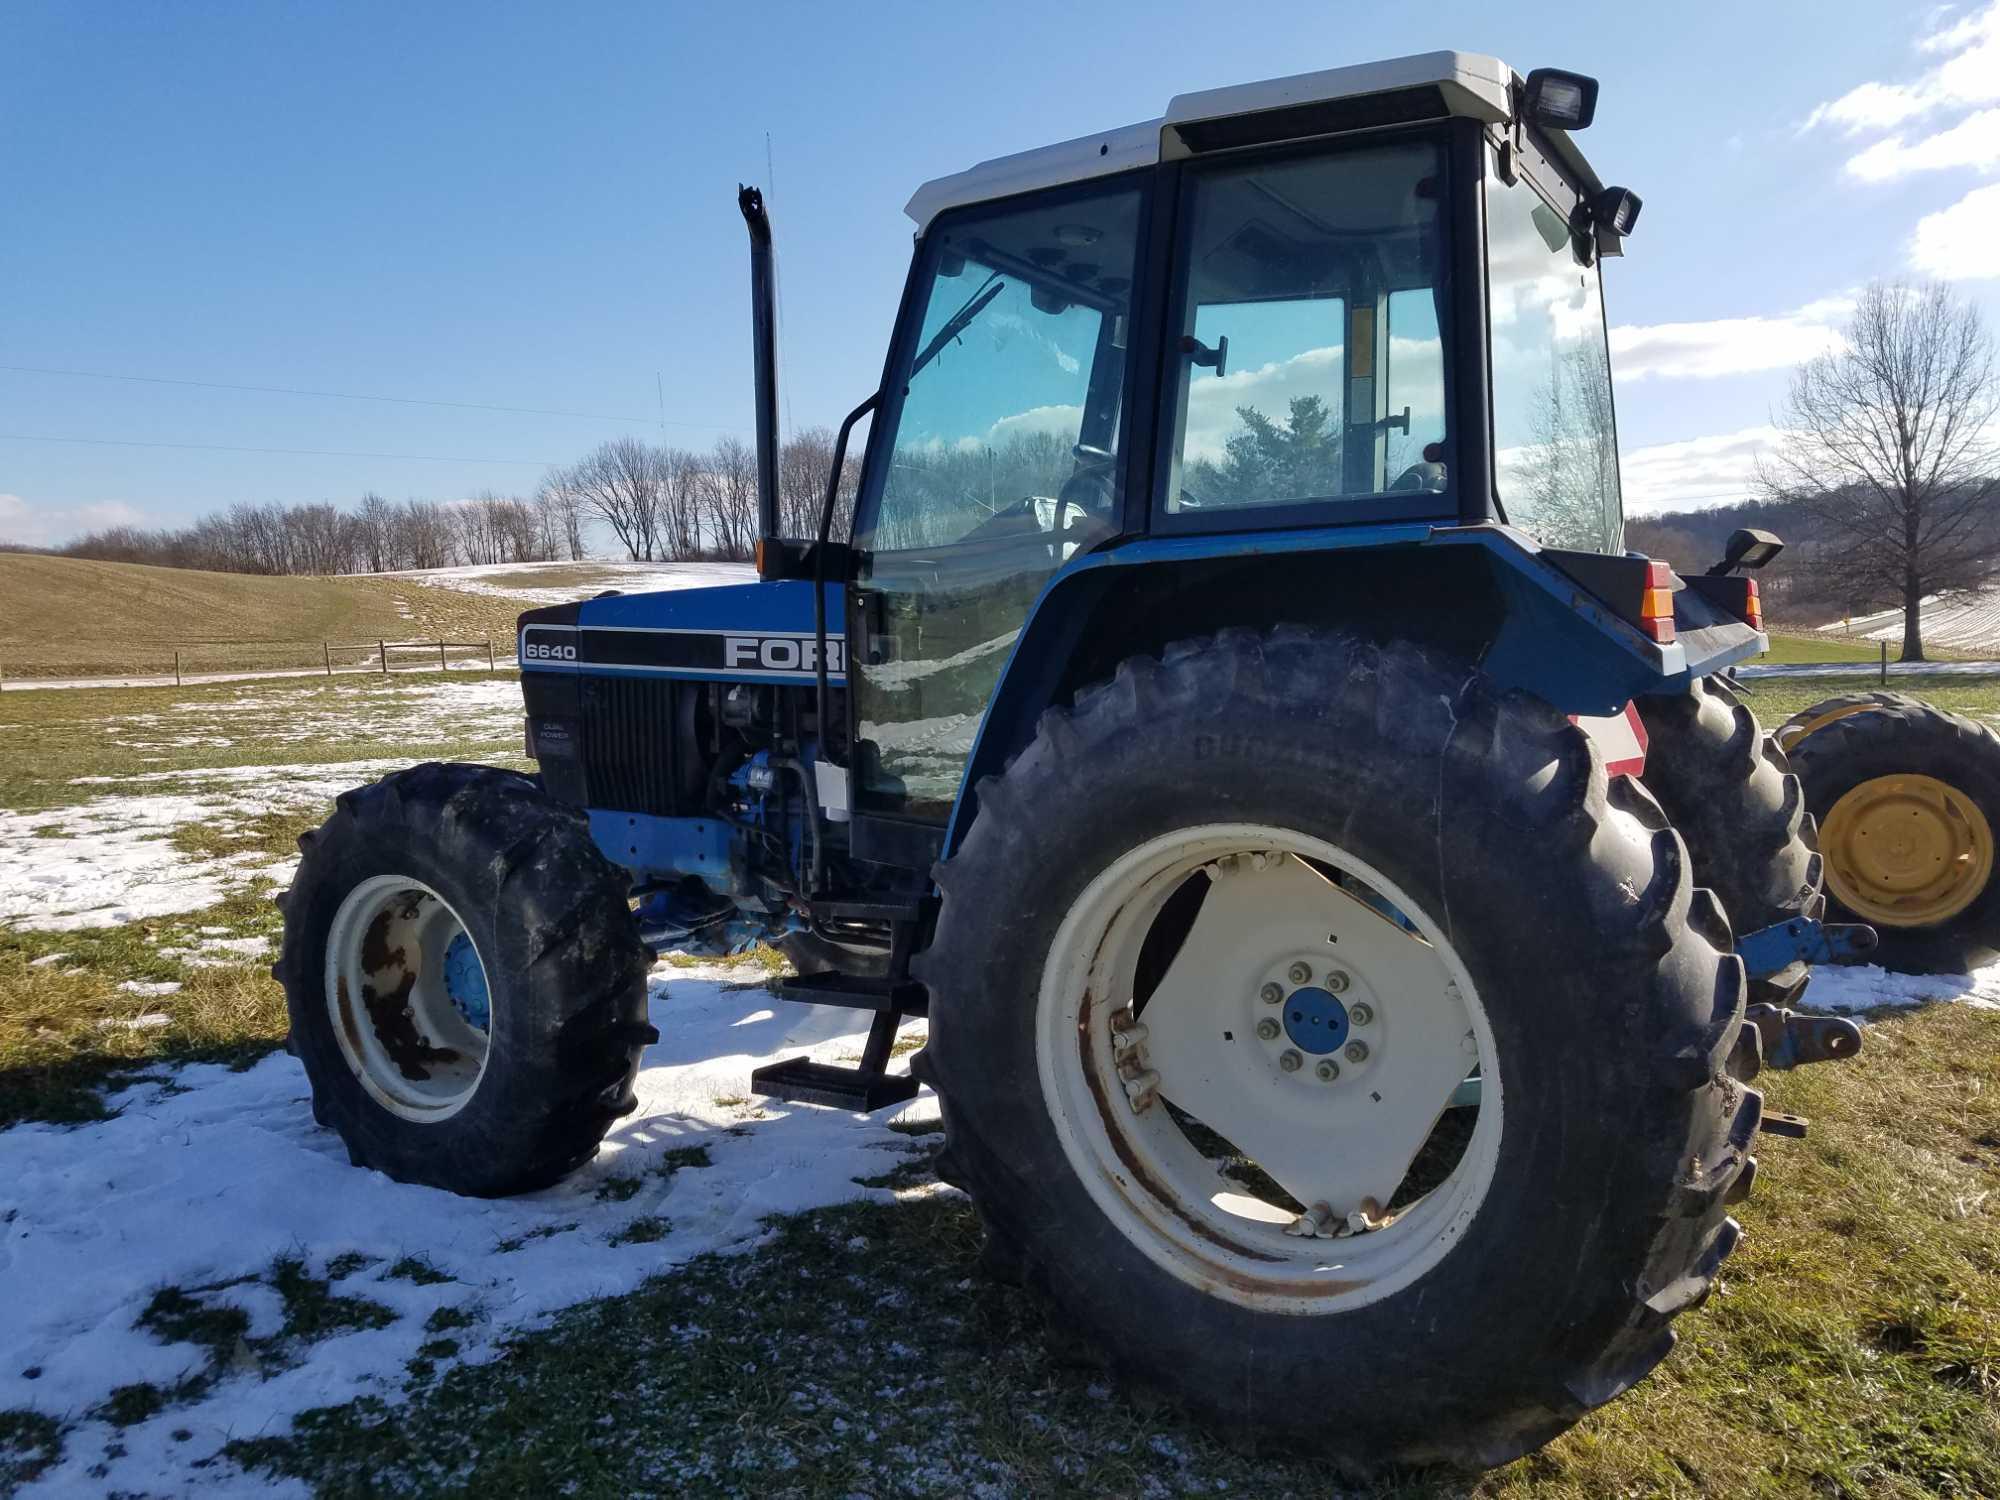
point(489, 655)
point(326, 650)
point(441, 663)
point(383, 646)
point(1885, 663)
point(177, 668)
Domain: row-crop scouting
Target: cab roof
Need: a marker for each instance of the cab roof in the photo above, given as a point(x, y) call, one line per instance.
point(1464, 84)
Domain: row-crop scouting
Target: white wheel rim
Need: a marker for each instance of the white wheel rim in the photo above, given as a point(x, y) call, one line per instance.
point(414, 1047)
point(1109, 1074)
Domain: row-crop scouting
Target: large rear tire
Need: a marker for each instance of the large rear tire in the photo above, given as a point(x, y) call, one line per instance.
point(1730, 793)
point(465, 978)
point(1908, 797)
point(1449, 831)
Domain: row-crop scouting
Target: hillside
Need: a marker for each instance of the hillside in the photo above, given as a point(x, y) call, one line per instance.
point(73, 617)
point(67, 616)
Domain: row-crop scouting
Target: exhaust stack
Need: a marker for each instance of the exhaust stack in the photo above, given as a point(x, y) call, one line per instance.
point(764, 339)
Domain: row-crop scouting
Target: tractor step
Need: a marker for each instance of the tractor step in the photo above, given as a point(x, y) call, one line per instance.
point(865, 911)
point(856, 992)
point(809, 1082)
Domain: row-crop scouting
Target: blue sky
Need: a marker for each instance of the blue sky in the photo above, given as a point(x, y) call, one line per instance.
point(532, 206)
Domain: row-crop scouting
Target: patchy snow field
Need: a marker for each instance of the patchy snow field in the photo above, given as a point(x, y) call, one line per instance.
point(205, 1265)
point(1957, 622)
point(209, 1178)
point(570, 581)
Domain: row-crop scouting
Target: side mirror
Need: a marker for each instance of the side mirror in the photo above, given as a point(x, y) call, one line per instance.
point(1748, 549)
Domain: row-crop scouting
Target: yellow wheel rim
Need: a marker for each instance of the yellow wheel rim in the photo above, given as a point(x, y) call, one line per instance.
point(1906, 851)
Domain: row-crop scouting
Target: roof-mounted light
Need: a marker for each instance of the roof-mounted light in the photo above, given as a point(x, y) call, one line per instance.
point(1616, 209)
point(1556, 100)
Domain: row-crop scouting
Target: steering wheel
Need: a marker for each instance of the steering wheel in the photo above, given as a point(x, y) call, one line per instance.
point(1427, 477)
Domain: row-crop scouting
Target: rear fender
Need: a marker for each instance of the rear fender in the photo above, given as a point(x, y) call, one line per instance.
point(1489, 596)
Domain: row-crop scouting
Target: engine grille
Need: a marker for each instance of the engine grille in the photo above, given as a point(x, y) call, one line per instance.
point(630, 744)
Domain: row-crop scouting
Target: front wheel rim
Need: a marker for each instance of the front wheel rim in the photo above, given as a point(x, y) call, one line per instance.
point(408, 996)
point(1263, 1110)
point(1907, 850)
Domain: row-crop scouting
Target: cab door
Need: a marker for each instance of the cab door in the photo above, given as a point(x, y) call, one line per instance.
point(1000, 454)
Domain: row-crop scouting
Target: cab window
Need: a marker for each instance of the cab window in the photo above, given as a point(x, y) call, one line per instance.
point(1309, 347)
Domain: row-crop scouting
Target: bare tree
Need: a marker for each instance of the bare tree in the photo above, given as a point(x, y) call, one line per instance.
point(731, 492)
point(374, 518)
point(562, 511)
point(683, 499)
point(1889, 442)
point(620, 483)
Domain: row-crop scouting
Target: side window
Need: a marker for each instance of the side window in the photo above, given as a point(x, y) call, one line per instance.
point(1311, 346)
point(1555, 440)
point(1010, 410)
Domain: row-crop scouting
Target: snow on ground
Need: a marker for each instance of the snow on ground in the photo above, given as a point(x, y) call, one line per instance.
point(208, 1177)
point(514, 580)
point(1963, 622)
point(1870, 669)
point(393, 714)
point(112, 860)
point(1869, 986)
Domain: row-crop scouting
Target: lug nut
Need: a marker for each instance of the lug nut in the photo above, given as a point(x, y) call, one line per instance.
point(1328, 1070)
point(1271, 994)
point(1301, 972)
point(1336, 980)
point(1290, 1061)
point(1357, 1052)
point(1362, 1014)
point(1268, 1029)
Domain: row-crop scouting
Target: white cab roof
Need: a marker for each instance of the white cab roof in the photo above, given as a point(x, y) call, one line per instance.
point(1472, 86)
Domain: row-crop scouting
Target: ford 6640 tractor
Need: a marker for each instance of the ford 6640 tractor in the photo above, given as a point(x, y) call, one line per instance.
point(1348, 908)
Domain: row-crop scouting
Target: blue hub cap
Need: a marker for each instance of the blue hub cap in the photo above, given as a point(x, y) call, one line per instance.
point(465, 982)
point(1314, 1020)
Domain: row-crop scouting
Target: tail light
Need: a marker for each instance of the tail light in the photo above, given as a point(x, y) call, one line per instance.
point(1656, 605)
point(1753, 613)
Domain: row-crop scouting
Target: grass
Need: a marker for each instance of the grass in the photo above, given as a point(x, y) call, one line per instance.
point(1854, 1350)
point(138, 615)
point(1789, 648)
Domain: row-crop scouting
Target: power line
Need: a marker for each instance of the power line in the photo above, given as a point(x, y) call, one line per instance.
point(286, 390)
point(31, 437)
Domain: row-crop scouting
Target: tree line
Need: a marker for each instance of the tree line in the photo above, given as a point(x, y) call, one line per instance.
point(658, 503)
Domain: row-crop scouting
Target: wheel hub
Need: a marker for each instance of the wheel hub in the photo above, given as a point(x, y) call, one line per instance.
point(1315, 1020)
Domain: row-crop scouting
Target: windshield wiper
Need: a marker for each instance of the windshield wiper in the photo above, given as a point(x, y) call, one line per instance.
point(958, 322)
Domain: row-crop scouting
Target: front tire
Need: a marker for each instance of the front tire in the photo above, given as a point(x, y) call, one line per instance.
point(465, 979)
point(1599, 994)
point(1908, 798)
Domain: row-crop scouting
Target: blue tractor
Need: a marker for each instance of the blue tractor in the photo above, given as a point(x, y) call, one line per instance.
point(1348, 905)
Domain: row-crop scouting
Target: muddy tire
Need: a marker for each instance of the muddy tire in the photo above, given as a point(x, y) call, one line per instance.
point(465, 978)
point(1606, 1007)
point(1874, 764)
point(1731, 794)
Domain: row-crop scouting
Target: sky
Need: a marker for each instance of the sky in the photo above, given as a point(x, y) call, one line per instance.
point(528, 212)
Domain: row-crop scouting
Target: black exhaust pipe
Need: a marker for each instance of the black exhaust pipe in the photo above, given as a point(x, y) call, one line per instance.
point(764, 338)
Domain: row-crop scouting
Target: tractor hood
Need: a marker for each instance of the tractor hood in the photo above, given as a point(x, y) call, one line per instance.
point(748, 632)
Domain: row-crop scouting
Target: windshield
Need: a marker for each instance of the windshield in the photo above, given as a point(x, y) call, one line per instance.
point(1010, 408)
point(1555, 439)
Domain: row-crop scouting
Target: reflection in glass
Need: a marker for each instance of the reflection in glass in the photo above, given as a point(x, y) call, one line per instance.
point(1554, 434)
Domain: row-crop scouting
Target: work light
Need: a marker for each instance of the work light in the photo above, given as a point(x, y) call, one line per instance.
point(1557, 100)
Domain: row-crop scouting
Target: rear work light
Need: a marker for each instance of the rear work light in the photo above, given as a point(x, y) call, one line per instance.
point(1656, 605)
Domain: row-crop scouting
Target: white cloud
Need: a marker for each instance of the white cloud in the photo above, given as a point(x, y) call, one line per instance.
point(45, 526)
point(1960, 243)
point(1968, 75)
point(1699, 472)
point(1972, 142)
point(1728, 346)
